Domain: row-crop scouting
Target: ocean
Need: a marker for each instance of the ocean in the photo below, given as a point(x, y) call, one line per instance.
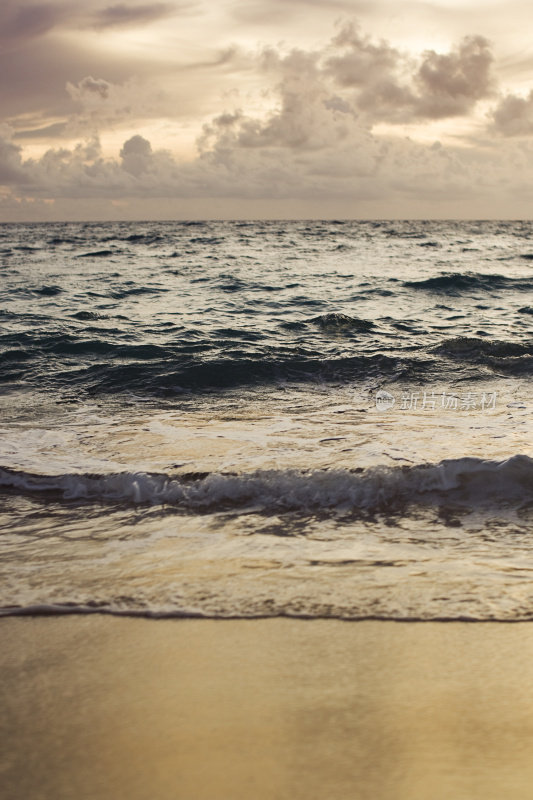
point(258, 419)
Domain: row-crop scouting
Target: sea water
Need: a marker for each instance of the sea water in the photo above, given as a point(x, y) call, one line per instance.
point(246, 419)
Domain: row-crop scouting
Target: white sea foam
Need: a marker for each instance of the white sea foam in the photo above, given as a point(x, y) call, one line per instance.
point(469, 480)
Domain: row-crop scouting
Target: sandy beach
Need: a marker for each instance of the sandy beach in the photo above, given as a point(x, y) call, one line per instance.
point(99, 707)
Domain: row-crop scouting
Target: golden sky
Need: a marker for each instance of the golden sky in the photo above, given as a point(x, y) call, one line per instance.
point(265, 108)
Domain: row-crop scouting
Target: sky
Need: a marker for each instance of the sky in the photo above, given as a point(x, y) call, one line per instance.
point(266, 109)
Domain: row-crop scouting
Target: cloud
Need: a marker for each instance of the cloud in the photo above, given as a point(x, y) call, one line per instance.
point(360, 60)
point(55, 130)
point(262, 12)
point(318, 142)
point(23, 21)
point(451, 84)
point(393, 87)
point(45, 46)
point(312, 144)
point(136, 155)
point(89, 87)
point(121, 15)
point(513, 116)
point(101, 105)
point(354, 75)
point(315, 144)
point(11, 170)
point(36, 73)
point(302, 120)
point(356, 174)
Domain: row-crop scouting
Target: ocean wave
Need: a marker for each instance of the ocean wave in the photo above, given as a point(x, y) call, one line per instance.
point(228, 283)
point(466, 346)
point(464, 482)
point(511, 357)
point(85, 316)
point(47, 291)
point(226, 358)
point(142, 238)
point(97, 254)
point(68, 344)
point(59, 240)
point(335, 322)
point(453, 283)
point(229, 373)
point(128, 291)
point(99, 358)
point(37, 291)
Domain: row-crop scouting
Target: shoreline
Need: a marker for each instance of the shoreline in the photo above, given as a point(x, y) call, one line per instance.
point(102, 707)
point(58, 612)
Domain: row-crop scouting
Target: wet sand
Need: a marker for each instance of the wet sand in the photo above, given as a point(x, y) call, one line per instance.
point(106, 708)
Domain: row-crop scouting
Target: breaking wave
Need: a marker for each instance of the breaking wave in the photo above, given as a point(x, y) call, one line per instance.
point(473, 482)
